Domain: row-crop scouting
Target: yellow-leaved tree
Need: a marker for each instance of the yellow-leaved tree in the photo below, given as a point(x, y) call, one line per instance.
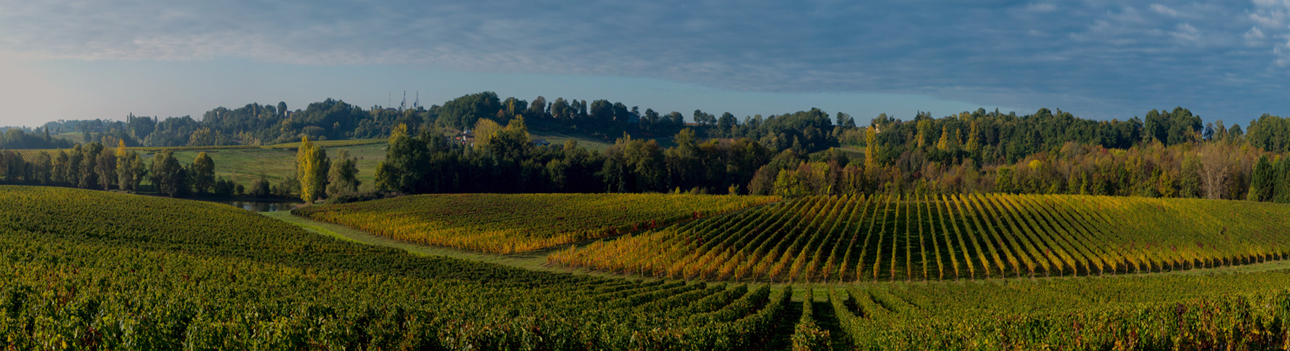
point(944, 143)
point(311, 170)
point(485, 130)
point(871, 149)
point(399, 131)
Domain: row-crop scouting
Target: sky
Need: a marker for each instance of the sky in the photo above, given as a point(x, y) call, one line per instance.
point(1229, 60)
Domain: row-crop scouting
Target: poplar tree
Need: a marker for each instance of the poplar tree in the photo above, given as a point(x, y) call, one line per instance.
point(944, 143)
point(124, 167)
point(871, 150)
point(973, 142)
point(924, 127)
point(311, 170)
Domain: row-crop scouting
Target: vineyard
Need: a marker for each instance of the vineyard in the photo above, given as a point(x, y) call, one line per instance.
point(84, 269)
point(504, 223)
point(847, 239)
point(96, 270)
point(1206, 312)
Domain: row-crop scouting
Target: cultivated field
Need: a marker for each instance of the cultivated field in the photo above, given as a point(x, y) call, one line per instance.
point(846, 239)
point(84, 269)
point(1167, 312)
point(501, 223)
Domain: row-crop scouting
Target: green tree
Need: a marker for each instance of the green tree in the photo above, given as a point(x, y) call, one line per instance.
point(1003, 180)
point(58, 172)
point(1263, 181)
point(727, 123)
point(511, 143)
point(404, 168)
point(130, 169)
point(105, 169)
point(202, 137)
point(1281, 178)
point(684, 165)
point(845, 120)
point(343, 176)
point(72, 173)
point(44, 167)
point(632, 165)
point(462, 112)
point(89, 163)
point(168, 175)
point(788, 183)
point(944, 143)
point(203, 173)
point(311, 170)
point(223, 187)
point(261, 187)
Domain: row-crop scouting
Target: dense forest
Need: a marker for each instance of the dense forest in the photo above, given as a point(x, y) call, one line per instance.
point(266, 124)
point(1166, 153)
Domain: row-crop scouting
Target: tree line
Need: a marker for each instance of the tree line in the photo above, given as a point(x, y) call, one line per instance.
point(507, 162)
point(18, 138)
point(1167, 154)
point(1171, 154)
point(266, 124)
point(804, 152)
point(93, 166)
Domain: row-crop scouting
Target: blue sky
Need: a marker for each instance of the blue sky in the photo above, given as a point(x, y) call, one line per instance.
point(1098, 59)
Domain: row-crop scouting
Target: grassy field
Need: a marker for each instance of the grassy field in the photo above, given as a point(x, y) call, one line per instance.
point(856, 153)
point(246, 165)
point(598, 144)
point(832, 239)
point(504, 223)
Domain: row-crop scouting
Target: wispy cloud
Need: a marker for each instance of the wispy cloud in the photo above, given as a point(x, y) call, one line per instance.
point(1112, 57)
point(1164, 10)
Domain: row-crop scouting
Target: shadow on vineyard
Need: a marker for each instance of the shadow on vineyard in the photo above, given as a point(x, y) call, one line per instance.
point(518, 223)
